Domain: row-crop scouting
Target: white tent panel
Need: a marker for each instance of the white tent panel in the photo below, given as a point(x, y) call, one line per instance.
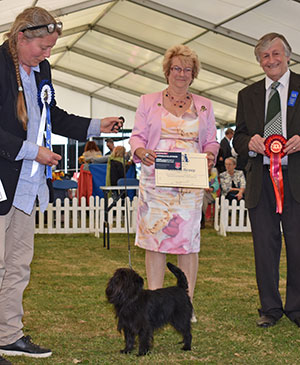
point(90, 67)
point(280, 16)
point(148, 25)
point(73, 102)
point(116, 95)
point(218, 56)
point(74, 81)
point(140, 84)
point(114, 49)
point(215, 11)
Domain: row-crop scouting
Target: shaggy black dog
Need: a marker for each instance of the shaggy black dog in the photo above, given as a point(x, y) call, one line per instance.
point(140, 311)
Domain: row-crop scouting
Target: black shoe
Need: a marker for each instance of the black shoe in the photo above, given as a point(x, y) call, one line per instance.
point(4, 361)
point(296, 320)
point(266, 321)
point(24, 346)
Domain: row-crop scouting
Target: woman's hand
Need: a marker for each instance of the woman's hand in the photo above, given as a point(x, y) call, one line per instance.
point(147, 157)
point(239, 195)
point(210, 159)
point(111, 124)
point(47, 157)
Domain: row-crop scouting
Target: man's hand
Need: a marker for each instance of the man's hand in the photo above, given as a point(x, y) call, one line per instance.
point(292, 145)
point(47, 157)
point(256, 144)
point(111, 124)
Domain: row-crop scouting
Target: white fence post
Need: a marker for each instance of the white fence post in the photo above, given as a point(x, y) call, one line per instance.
point(231, 218)
point(72, 218)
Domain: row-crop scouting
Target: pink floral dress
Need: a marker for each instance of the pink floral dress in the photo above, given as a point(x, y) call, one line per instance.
point(169, 218)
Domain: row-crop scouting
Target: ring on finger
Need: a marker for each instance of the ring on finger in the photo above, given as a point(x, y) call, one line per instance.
point(294, 148)
point(146, 155)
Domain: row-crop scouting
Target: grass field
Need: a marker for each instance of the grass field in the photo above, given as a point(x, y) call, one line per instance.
point(66, 309)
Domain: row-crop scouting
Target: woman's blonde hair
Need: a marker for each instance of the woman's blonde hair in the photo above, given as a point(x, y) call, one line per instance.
point(185, 54)
point(118, 151)
point(30, 17)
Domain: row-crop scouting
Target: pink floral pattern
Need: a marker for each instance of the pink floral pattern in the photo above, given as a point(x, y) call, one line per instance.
point(169, 218)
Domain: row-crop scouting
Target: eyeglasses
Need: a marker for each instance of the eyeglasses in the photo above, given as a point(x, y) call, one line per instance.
point(177, 69)
point(50, 27)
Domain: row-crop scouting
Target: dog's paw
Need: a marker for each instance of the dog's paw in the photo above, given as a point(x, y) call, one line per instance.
point(125, 351)
point(143, 353)
point(186, 348)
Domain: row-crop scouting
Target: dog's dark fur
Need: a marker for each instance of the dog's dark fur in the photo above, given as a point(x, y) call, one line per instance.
point(140, 311)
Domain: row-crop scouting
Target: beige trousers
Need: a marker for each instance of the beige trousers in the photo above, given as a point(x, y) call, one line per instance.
point(16, 253)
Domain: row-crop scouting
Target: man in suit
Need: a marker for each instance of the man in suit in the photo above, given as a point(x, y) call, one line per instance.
point(225, 150)
point(110, 144)
point(273, 53)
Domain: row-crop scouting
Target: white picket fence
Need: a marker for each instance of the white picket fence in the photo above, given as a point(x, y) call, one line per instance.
point(70, 217)
point(231, 218)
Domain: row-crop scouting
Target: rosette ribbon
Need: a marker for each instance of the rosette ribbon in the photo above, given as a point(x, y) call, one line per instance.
point(274, 150)
point(45, 99)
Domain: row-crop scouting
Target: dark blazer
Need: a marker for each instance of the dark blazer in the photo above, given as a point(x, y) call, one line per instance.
point(224, 152)
point(12, 133)
point(225, 148)
point(250, 121)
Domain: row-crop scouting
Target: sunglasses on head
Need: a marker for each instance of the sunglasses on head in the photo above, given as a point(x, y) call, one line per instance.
point(50, 27)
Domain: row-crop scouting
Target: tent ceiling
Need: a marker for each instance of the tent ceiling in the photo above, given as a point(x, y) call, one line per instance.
point(113, 50)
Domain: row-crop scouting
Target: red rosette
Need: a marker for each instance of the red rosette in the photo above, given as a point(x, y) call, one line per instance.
point(275, 144)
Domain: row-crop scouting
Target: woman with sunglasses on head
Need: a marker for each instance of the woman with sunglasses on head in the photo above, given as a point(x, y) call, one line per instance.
point(25, 93)
point(172, 120)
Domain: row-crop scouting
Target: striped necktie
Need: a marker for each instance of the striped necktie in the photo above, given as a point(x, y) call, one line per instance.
point(273, 122)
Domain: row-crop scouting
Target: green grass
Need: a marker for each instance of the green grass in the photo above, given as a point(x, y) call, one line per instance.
point(66, 309)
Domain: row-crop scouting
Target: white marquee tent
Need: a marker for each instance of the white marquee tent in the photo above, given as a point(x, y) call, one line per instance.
point(111, 52)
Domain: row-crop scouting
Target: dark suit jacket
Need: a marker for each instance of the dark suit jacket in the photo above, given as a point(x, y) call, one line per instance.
point(225, 148)
point(250, 121)
point(12, 133)
point(224, 152)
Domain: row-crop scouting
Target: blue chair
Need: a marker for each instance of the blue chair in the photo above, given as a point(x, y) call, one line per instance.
point(129, 182)
point(61, 187)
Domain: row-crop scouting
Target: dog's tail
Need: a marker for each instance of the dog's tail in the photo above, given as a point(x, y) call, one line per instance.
point(181, 278)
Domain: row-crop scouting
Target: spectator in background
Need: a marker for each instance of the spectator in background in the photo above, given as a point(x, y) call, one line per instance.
point(225, 150)
point(110, 144)
point(115, 166)
point(232, 181)
point(91, 150)
point(210, 193)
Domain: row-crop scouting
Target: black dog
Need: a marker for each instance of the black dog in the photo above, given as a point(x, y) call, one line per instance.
point(140, 311)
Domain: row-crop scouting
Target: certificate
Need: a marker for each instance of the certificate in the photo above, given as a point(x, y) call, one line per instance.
point(181, 170)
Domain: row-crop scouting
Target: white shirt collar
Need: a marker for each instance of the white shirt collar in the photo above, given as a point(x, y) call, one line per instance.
point(284, 80)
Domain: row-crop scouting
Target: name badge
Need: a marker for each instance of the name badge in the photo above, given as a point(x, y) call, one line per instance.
point(293, 98)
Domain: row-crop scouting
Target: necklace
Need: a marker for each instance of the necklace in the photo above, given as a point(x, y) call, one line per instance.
point(175, 102)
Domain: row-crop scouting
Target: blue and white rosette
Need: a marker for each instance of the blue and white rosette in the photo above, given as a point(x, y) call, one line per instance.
point(45, 99)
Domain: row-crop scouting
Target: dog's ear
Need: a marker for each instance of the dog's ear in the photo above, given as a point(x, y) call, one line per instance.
point(140, 282)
